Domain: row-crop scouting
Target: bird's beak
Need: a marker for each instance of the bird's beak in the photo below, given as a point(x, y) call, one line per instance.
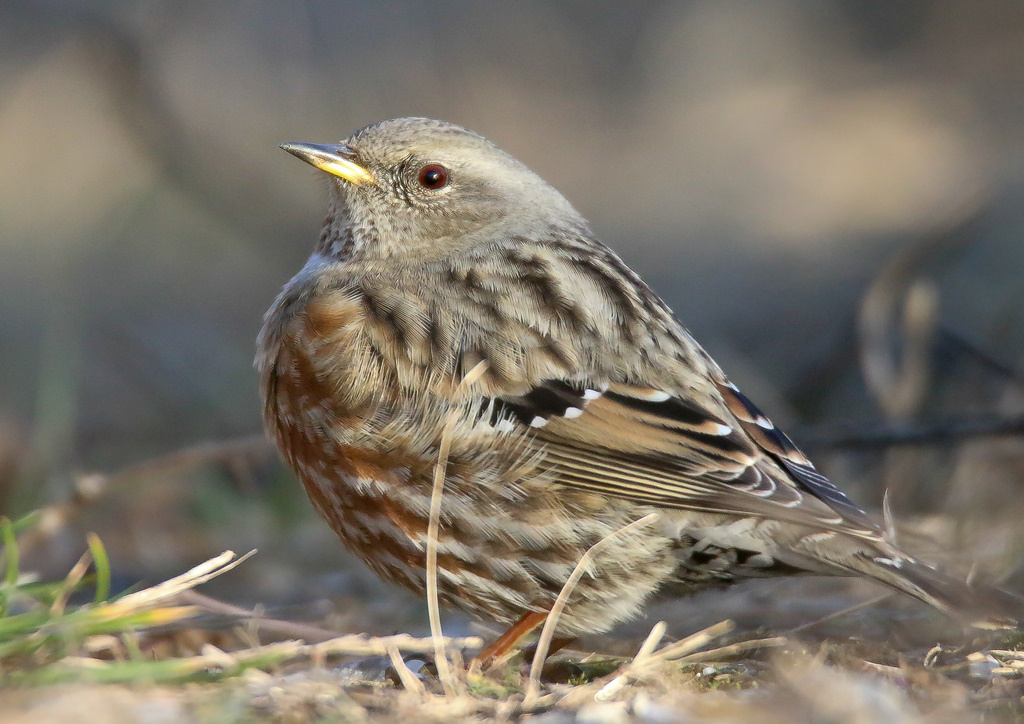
point(334, 158)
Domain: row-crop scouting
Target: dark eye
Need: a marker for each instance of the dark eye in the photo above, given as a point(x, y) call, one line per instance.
point(433, 177)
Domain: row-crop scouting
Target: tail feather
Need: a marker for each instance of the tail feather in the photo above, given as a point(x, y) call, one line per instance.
point(978, 605)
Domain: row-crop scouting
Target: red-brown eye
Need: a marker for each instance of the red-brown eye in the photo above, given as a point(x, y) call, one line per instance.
point(433, 177)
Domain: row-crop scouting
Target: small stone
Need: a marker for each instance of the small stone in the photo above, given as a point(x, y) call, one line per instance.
point(372, 669)
point(981, 666)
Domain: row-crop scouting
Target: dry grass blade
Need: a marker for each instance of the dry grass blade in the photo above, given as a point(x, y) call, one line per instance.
point(694, 642)
point(728, 652)
point(681, 651)
point(213, 661)
point(843, 612)
point(172, 587)
point(651, 642)
point(551, 622)
point(362, 645)
point(46, 629)
point(889, 522)
point(444, 672)
point(256, 620)
point(646, 649)
point(71, 581)
point(409, 681)
point(645, 662)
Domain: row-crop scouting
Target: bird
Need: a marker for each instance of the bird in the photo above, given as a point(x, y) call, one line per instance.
point(442, 258)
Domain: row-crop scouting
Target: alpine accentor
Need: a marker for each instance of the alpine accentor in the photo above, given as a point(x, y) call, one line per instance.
point(595, 408)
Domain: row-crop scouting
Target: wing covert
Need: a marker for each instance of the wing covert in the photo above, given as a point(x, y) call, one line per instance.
point(672, 451)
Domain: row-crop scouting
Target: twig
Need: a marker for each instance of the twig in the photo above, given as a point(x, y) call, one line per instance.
point(550, 623)
point(444, 672)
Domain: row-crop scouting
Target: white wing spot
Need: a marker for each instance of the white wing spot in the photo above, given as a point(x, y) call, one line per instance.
point(654, 396)
point(722, 430)
point(765, 423)
point(891, 562)
point(538, 421)
point(591, 394)
point(504, 425)
point(572, 412)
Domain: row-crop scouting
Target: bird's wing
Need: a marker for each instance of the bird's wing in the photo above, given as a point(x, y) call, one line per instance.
point(670, 451)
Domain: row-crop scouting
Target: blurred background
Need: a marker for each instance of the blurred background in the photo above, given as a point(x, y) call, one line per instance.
point(830, 193)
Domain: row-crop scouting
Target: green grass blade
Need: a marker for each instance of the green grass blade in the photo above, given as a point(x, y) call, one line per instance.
point(29, 520)
point(10, 551)
point(102, 563)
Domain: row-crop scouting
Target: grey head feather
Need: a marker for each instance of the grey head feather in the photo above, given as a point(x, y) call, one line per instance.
point(489, 195)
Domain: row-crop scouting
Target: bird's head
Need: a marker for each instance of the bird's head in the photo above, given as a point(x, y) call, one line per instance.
point(415, 188)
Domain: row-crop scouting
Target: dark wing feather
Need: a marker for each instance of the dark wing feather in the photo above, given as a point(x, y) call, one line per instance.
point(777, 444)
point(670, 451)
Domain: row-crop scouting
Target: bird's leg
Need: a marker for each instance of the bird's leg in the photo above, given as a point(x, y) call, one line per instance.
point(507, 641)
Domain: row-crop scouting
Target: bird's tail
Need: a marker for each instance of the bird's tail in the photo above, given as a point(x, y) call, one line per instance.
point(978, 605)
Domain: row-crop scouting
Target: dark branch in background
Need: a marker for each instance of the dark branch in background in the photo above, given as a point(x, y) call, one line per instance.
point(927, 433)
point(884, 435)
point(957, 343)
point(93, 487)
point(898, 319)
point(240, 198)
